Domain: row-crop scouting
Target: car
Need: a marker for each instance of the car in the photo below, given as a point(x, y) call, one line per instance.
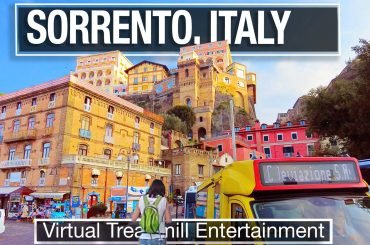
point(2, 220)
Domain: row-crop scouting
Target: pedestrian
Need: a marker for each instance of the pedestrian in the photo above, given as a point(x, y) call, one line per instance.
point(24, 214)
point(117, 212)
point(298, 154)
point(154, 211)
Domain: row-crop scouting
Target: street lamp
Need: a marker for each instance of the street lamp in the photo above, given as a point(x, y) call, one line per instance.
point(128, 170)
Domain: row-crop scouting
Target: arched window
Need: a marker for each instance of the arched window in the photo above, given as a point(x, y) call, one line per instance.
point(188, 102)
point(200, 119)
point(31, 123)
point(91, 74)
point(107, 82)
point(27, 152)
point(50, 120)
point(107, 154)
point(16, 126)
point(186, 72)
point(42, 174)
point(46, 150)
point(99, 83)
point(83, 75)
point(100, 73)
point(82, 150)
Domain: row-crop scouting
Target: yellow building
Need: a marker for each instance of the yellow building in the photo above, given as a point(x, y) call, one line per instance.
point(106, 71)
point(142, 76)
point(67, 138)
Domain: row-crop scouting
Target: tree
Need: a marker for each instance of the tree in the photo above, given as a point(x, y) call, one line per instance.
point(185, 113)
point(172, 122)
point(343, 109)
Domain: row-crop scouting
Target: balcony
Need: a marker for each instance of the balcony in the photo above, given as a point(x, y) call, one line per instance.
point(135, 146)
point(2, 115)
point(151, 150)
point(51, 104)
point(119, 164)
point(23, 182)
point(33, 109)
point(85, 133)
point(18, 112)
point(7, 182)
point(290, 154)
point(110, 116)
point(44, 161)
point(87, 107)
point(19, 163)
point(20, 136)
point(109, 140)
point(42, 182)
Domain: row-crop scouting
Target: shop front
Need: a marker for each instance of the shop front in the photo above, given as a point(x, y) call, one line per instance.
point(53, 205)
point(12, 199)
point(118, 198)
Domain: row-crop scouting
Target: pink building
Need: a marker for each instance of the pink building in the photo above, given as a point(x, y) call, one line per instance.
point(280, 140)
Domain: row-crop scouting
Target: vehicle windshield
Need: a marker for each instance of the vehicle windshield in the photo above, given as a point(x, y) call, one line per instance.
point(351, 215)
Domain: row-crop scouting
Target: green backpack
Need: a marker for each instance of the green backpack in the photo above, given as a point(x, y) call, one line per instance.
point(150, 219)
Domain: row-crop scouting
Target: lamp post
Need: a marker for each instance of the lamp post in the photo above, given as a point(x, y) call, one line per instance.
point(128, 170)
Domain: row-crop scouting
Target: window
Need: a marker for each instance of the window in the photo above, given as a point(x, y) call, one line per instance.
point(34, 102)
point(188, 102)
point(267, 152)
point(136, 138)
point(1, 130)
point(200, 119)
point(85, 123)
point(302, 122)
point(145, 69)
point(24, 174)
point(308, 135)
point(137, 122)
point(50, 120)
point(31, 123)
point(107, 154)
point(249, 137)
point(265, 138)
point(154, 78)
point(11, 154)
point(294, 136)
point(310, 150)
point(248, 128)
point(288, 151)
point(109, 130)
point(110, 109)
point(52, 97)
point(154, 68)
point(219, 148)
point(19, 105)
point(82, 150)
point(279, 137)
point(151, 142)
point(151, 127)
point(276, 125)
point(227, 80)
point(263, 126)
point(46, 150)
point(237, 211)
point(136, 81)
point(27, 152)
point(289, 124)
point(200, 169)
point(144, 79)
point(42, 174)
point(87, 100)
point(3, 109)
point(16, 126)
point(177, 169)
point(186, 72)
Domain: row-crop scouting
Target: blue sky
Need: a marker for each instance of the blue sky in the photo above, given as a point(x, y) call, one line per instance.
point(281, 80)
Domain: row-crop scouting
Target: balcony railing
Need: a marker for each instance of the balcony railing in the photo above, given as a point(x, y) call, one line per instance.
point(311, 153)
point(15, 163)
point(87, 107)
point(288, 154)
point(20, 135)
point(151, 150)
point(23, 182)
point(109, 140)
point(2, 115)
point(110, 116)
point(7, 182)
point(33, 108)
point(51, 104)
point(120, 164)
point(44, 161)
point(135, 146)
point(18, 112)
point(42, 182)
point(85, 133)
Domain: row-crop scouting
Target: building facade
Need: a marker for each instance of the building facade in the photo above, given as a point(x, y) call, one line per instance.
point(67, 138)
point(280, 140)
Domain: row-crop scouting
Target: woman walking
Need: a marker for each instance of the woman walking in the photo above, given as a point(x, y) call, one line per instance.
point(154, 212)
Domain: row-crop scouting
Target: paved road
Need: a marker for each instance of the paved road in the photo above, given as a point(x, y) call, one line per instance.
point(17, 233)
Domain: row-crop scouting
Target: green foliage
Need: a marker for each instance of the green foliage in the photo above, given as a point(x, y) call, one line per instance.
point(343, 109)
point(185, 113)
point(172, 122)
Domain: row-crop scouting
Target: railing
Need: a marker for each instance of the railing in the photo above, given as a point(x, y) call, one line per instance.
point(23, 182)
point(87, 107)
point(85, 133)
point(33, 108)
point(20, 135)
point(7, 182)
point(18, 112)
point(135, 146)
point(44, 161)
point(2, 115)
point(120, 164)
point(15, 163)
point(311, 153)
point(151, 150)
point(42, 182)
point(288, 154)
point(110, 116)
point(109, 140)
point(51, 104)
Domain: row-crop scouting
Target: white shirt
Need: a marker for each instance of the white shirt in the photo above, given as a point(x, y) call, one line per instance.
point(161, 211)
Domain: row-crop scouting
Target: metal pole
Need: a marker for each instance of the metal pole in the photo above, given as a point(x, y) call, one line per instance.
point(128, 170)
point(232, 128)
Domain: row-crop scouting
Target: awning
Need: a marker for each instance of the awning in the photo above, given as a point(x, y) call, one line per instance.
point(8, 190)
point(43, 195)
